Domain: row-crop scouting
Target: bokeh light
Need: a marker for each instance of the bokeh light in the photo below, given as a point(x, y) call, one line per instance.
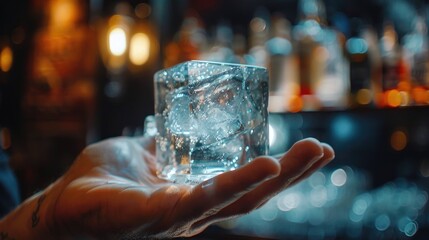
point(410, 229)
point(393, 98)
point(289, 201)
point(360, 206)
point(405, 98)
point(317, 179)
point(117, 41)
point(420, 95)
point(382, 222)
point(143, 10)
point(6, 59)
point(339, 177)
point(356, 46)
point(363, 96)
point(318, 196)
point(398, 140)
point(139, 49)
point(295, 104)
point(258, 24)
point(343, 127)
point(63, 13)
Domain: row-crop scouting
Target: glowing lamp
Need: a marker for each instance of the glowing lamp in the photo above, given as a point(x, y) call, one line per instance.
point(117, 41)
point(139, 49)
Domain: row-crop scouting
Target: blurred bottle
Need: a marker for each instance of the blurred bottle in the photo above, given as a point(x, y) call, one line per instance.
point(357, 50)
point(258, 34)
point(395, 72)
point(221, 50)
point(239, 46)
point(323, 69)
point(375, 61)
point(416, 55)
point(189, 42)
point(282, 65)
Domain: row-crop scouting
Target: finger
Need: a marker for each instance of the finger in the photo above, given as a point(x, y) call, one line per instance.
point(212, 195)
point(307, 142)
point(306, 155)
point(286, 178)
point(328, 156)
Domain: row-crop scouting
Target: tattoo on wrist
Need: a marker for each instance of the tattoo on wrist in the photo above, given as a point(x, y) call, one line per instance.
point(35, 215)
point(5, 236)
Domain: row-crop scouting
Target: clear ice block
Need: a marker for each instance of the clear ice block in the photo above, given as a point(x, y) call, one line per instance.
point(211, 118)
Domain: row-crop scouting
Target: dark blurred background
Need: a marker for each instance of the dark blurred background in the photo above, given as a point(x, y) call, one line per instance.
point(352, 73)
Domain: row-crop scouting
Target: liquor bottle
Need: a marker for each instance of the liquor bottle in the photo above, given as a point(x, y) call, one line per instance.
point(282, 65)
point(259, 28)
point(323, 69)
point(239, 47)
point(357, 50)
point(395, 73)
point(188, 44)
point(370, 36)
point(221, 50)
point(416, 54)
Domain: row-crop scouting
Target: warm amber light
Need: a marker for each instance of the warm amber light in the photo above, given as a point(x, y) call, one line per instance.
point(63, 13)
point(393, 98)
point(6, 59)
point(405, 98)
point(363, 96)
point(295, 104)
point(398, 140)
point(420, 95)
point(139, 48)
point(404, 86)
point(117, 41)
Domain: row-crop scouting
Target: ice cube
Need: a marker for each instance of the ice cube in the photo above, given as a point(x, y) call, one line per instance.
point(180, 119)
point(218, 157)
point(211, 117)
point(214, 106)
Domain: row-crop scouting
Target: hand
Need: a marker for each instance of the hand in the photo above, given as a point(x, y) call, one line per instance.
point(112, 190)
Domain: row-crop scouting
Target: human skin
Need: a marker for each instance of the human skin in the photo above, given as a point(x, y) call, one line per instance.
point(112, 192)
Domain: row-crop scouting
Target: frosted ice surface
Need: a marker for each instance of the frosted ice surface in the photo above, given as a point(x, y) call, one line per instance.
point(211, 117)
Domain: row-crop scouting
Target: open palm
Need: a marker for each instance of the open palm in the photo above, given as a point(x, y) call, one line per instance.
point(112, 191)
